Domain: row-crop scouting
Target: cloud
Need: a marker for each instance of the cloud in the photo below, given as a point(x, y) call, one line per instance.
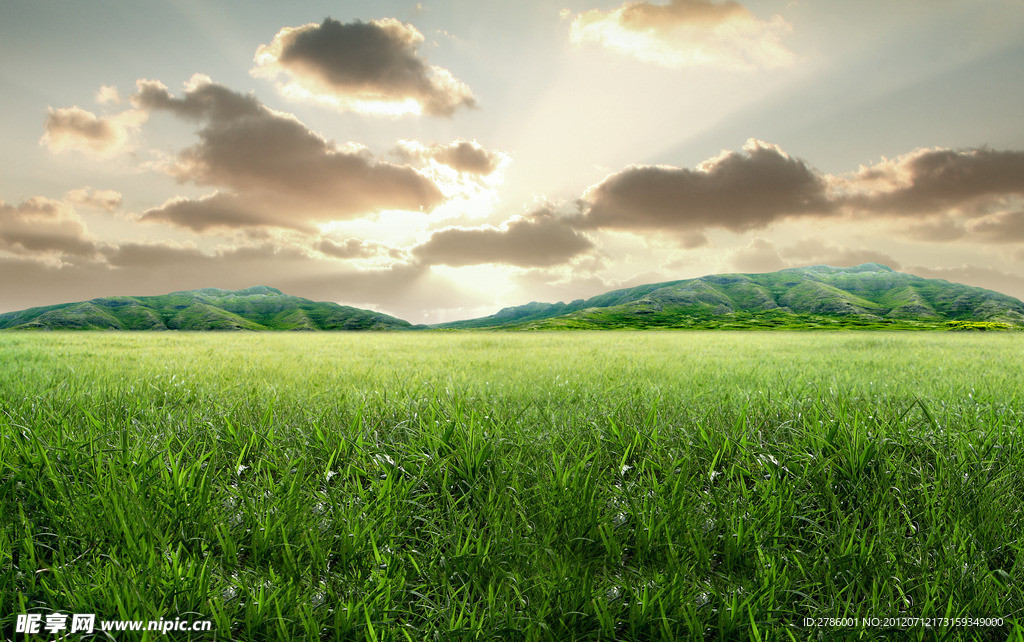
point(939, 229)
point(74, 128)
point(137, 269)
point(153, 254)
point(996, 228)
point(927, 194)
point(816, 251)
point(368, 67)
point(687, 33)
point(349, 249)
point(1001, 227)
point(30, 283)
point(217, 212)
point(541, 284)
point(762, 255)
point(539, 240)
point(982, 277)
point(735, 191)
point(466, 156)
point(693, 240)
point(43, 227)
point(108, 95)
point(280, 172)
point(925, 181)
point(107, 200)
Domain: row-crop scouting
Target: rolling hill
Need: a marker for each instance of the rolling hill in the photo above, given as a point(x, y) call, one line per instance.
point(865, 296)
point(255, 308)
point(868, 296)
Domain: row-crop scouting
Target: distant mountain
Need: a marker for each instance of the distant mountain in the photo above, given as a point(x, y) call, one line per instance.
point(821, 296)
point(256, 308)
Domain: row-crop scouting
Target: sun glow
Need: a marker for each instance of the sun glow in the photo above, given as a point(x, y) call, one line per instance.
point(493, 280)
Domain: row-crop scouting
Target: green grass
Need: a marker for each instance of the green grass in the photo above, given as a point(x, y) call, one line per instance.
point(522, 486)
point(669, 318)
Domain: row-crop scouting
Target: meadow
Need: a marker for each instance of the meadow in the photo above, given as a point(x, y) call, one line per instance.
point(520, 486)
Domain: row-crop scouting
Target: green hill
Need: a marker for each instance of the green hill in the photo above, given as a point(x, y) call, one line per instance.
point(865, 296)
point(868, 296)
point(256, 308)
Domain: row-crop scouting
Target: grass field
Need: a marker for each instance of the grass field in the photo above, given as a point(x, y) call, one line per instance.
point(562, 486)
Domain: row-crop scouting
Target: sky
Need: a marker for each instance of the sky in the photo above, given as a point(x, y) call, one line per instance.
point(442, 160)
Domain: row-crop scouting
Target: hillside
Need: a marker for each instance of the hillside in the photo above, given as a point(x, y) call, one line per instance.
point(865, 296)
point(255, 308)
point(868, 296)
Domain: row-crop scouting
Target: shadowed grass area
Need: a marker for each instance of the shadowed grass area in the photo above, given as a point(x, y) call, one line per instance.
point(654, 486)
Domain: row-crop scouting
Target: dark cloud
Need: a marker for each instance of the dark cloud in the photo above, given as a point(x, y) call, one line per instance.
point(360, 66)
point(43, 226)
point(349, 249)
point(938, 180)
point(948, 195)
point(687, 33)
point(945, 195)
point(79, 129)
point(736, 191)
point(215, 212)
point(537, 241)
point(282, 173)
point(150, 255)
point(204, 101)
point(939, 229)
point(465, 156)
point(693, 240)
point(1002, 227)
